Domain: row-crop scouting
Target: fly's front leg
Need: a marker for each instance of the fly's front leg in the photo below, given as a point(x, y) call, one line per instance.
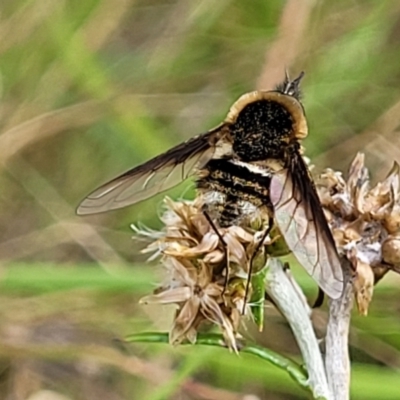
point(224, 245)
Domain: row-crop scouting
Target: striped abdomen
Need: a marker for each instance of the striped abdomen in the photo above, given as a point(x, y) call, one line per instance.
point(233, 191)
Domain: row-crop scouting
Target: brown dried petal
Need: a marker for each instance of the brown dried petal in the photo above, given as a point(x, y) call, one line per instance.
point(184, 320)
point(175, 295)
point(241, 308)
point(200, 224)
point(390, 184)
point(241, 234)
point(339, 236)
point(236, 251)
point(394, 178)
point(179, 214)
point(204, 275)
point(229, 335)
point(181, 271)
point(235, 317)
point(174, 249)
point(325, 196)
point(358, 174)
point(331, 179)
point(208, 243)
point(383, 196)
point(213, 290)
point(376, 200)
point(359, 198)
point(214, 257)
point(352, 232)
point(213, 312)
point(363, 286)
point(191, 334)
point(341, 203)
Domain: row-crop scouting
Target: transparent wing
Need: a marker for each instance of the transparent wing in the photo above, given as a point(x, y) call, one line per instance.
point(154, 176)
point(301, 220)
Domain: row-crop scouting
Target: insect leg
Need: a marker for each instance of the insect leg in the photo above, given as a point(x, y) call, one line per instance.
point(258, 247)
point(224, 245)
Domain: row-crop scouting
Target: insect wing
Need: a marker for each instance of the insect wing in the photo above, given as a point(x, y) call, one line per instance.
point(153, 177)
point(301, 220)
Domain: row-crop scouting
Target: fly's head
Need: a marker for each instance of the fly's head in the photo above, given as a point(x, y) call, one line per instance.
point(264, 123)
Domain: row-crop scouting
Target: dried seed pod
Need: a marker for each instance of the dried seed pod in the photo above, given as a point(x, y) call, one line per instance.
point(391, 221)
point(391, 250)
point(365, 222)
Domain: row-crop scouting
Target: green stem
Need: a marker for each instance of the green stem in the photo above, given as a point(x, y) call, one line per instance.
point(212, 339)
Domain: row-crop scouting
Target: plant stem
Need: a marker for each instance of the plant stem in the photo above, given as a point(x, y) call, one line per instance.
point(337, 360)
point(281, 288)
point(213, 339)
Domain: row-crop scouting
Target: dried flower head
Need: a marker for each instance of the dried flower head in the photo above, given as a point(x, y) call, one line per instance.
point(196, 258)
point(365, 222)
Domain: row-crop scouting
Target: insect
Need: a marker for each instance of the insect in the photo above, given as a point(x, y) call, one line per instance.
point(251, 164)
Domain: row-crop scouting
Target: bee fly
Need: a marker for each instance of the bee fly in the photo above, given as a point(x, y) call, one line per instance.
point(250, 165)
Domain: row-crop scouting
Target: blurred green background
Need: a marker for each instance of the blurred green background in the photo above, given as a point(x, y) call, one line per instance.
point(91, 88)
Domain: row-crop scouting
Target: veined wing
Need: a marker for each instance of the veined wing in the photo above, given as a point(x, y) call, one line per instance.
point(154, 176)
point(301, 220)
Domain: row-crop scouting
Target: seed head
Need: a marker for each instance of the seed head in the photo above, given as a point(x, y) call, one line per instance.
point(365, 222)
point(196, 264)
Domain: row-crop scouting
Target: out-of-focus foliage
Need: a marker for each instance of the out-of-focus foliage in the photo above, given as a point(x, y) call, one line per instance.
point(91, 88)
